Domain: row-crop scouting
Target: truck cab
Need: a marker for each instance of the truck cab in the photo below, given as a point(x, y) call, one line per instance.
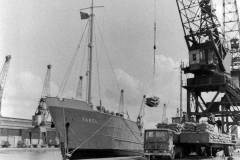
point(158, 144)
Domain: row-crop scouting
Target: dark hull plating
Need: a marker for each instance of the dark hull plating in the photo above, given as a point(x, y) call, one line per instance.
point(104, 153)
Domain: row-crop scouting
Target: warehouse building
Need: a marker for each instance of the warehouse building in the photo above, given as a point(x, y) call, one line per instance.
point(17, 132)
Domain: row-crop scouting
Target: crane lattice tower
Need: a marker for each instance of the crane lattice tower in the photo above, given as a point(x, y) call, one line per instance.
point(210, 90)
point(3, 76)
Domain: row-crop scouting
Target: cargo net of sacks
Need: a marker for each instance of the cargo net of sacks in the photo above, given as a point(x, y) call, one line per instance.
point(189, 127)
point(204, 127)
point(175, 127)
point(198, 127)
point(219, 138)
point(152, 101)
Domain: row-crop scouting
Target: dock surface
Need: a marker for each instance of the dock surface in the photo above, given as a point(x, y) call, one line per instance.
point(119, 158)
point(30, 154)
point(55, 154)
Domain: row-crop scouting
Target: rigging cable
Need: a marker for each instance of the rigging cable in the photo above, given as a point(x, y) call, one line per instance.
point(98, 73)
point(83, 58)
point(68, 71)
point(82, 62)
point(78, 66)
point(91, 136)
point(107, 55)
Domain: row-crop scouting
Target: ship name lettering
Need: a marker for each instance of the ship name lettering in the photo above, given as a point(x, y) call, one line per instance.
point(89, 120)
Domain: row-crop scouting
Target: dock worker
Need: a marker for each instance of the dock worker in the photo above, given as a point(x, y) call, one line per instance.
point(203, 151)
point(219, 124)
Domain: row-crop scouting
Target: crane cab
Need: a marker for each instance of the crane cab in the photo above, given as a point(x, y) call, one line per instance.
point(36, 120)
point(202, 57)
point(234, 44)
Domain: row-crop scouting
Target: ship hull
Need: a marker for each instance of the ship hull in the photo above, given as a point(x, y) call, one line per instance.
point(103, 153)
point(94, 134)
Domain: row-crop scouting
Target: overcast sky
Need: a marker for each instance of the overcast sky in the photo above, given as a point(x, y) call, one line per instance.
point(37, 33)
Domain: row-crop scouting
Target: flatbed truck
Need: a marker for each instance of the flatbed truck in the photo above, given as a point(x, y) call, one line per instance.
point(163, 143)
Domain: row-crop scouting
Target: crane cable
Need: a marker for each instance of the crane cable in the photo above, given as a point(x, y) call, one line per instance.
point(153, 79)
point(154, 38)
point(69, 69)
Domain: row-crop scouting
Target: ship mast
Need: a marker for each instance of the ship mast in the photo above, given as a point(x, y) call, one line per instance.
point(90, 47)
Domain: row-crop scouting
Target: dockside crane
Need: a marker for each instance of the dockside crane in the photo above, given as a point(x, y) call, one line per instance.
point(141, 114)
point(231, 32)
point(207, 51)
point(46, 85)
point(3, 76)
point(41, 114)
point(39, 119)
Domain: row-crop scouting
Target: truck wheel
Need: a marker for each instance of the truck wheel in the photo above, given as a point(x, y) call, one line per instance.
point(227, 151)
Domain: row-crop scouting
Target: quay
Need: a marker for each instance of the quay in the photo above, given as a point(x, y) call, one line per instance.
point(30, 154)
point(15, 132)
point(120, 158)
point(142, 158)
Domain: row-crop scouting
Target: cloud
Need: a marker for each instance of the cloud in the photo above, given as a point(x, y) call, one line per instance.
point(165, 85)
point(127, 81)
point(29, 84)
point(166, 82)
point(53, 88)
point(22, 93)
point(165, 63)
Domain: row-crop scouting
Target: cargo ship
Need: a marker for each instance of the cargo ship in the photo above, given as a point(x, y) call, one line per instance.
point(89, 132)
